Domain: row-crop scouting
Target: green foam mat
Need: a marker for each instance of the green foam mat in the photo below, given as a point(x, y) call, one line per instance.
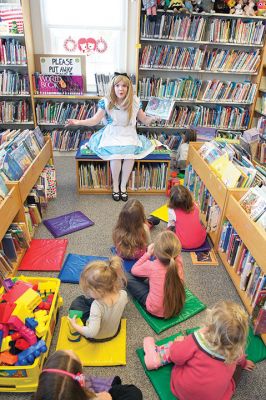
point(160, 378)
point(255, 350)
point(192, 306)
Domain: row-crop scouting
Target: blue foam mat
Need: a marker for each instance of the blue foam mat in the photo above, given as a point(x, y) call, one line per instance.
point(128, 264)
point(73, 266)
point(204, 247)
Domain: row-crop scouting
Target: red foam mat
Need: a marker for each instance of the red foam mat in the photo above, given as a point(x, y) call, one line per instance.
point(44, 255)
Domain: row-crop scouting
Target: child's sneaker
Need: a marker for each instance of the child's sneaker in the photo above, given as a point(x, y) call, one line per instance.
point(153, 220)
point(151, 358)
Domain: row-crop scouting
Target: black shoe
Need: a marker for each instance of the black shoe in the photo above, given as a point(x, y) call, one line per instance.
point(124, 196)
point(116, 196)
point(116, 381)
point(153, 220)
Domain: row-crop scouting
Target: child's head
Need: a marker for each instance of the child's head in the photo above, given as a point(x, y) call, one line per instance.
point(181, 198)
point(129, 233)
point(167, 248)
point(121, 90)
point(62, 379)
point(190, 136)
point(102, 277)
point(227, 330)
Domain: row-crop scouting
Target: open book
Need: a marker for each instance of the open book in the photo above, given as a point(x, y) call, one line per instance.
point(161, 108)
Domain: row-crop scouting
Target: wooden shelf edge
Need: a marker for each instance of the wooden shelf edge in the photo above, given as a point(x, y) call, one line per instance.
point(9, 208)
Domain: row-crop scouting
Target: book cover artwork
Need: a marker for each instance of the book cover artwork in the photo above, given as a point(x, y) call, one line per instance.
point(161, 108)
point(59, 84)
point(204, 258)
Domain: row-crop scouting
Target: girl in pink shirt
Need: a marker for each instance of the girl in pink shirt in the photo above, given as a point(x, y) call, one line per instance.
point(164, 294)
point(184, 218)
point(207, 363)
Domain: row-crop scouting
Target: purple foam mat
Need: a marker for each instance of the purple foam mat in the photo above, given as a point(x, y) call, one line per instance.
point(67, 223)
point(204, 247)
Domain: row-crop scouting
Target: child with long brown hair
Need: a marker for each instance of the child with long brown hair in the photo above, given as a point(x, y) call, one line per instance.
point(63, 379)
point(164, 294)
point(184, 218)
point(119, 140)
point(102, 282)
point(207, 363)
point(131, 234)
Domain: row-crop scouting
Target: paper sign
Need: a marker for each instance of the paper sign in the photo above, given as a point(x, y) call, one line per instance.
point(58, 65)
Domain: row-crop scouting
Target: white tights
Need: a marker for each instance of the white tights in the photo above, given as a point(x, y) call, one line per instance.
point(126, 171)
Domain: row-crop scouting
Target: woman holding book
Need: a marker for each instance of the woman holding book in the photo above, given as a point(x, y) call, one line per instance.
point(119, 140)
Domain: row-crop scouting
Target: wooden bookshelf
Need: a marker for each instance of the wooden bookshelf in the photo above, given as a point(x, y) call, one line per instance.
point(254, 238)
point(9, 208)
point(219, 191)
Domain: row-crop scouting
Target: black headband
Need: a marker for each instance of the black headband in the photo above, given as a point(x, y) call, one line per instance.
point(122, 74)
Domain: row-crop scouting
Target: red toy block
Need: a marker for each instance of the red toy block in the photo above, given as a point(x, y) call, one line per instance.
point(44, 306)
point(7, 358)
point(28, 335)
point(16, 291)
point(5, 330)
point(22, 344)
point(50, 298)
point(15, 336)
point(6, 310)
point(15, 323)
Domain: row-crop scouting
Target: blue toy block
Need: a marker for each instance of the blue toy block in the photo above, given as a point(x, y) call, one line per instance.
point(28, 356)
point(31, 323)
point(1, 337)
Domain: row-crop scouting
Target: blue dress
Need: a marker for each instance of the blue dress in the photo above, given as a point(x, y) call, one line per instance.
point(119, 138)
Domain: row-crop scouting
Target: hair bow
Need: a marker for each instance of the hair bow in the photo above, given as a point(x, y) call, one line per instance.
point(121, 73)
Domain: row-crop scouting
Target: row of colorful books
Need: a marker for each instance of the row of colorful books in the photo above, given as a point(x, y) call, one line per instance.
point(59, 112)
point(102, 82)
point(262, 105)
point(18, 153)
point(57, 84)
point(15, 240)
point(172, 27)
point(65, 140)
point(12, 52)
point(191, 58)
point(207, 205)
point(197, 28)
point(236, 31)
point(252, 277)
point(94, 175)
point(261, 151)
point(196, 89)
point(12, 82)
point(15, 111)
point(254, 203)
point(152, 176)
point(218, 116)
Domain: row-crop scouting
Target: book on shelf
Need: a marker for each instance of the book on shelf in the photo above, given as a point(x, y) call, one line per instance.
point(57, 84)
point(5, 266)
point(254, 202)
point(260, 322)
point(204, 258)
point(3, 189)
point(160, 108)
point(14, 241)
point(14, 83)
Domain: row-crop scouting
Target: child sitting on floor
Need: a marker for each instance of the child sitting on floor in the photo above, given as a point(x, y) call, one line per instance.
point(182, 152)
point(164, 294)
point(184, 218)
point(102, 283)
point(131, 234)
point(62, 378)
point(207, 363)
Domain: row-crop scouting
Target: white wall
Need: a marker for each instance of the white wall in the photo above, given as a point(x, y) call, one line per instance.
point(131, 39)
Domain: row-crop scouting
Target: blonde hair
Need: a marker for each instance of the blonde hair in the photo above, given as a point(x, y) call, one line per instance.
point(103, 276)
point(129, 234)
point(227, 330)
point(127, 103)
point(167, 248)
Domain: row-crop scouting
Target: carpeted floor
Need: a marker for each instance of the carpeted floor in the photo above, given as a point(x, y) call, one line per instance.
point(210, 284)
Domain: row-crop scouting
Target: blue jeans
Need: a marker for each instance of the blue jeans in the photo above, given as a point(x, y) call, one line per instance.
point(138, 288)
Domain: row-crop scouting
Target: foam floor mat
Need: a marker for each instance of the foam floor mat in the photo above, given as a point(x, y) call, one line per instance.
point(73, 266)
point(67, 223)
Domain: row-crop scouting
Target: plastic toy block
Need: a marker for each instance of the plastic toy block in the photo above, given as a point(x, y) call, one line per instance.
point(47, 287)
point(30, 298)
point(16, 291)
point(5, 343)
point(73, 335)
point(31, 323)
point(7, 358)
point(28, 356)
point(22, 344)
point(41, 330)
point(6, 310)
point(44, 306)
point(78, 313)
point(1, 335)
point(16, 336)
point(12, 348)
point(15, 323)
point(22, 312)
point(8, 284)
point(28, 335)
point(50, 298)
point(5, 330)
point(40, 313)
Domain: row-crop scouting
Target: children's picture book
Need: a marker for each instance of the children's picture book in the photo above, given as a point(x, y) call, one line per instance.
point(161, 108)
point(204, 258)
point(58, 84)
point(3, 189)
point(204, 134)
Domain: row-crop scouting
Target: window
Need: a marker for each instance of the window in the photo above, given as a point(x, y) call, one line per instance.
point(97, 29)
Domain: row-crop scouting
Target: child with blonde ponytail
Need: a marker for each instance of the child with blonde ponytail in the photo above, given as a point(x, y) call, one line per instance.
point(103, 302)
point(164, 294)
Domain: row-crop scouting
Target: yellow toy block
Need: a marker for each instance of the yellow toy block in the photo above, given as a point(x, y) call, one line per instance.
point(40, 314)
point(94, 354)
point(22, 312)
point(41, 329)
point(47, 287)
point(5, 343)
point(30, 298)
point(73, 335)
point(161, 213)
